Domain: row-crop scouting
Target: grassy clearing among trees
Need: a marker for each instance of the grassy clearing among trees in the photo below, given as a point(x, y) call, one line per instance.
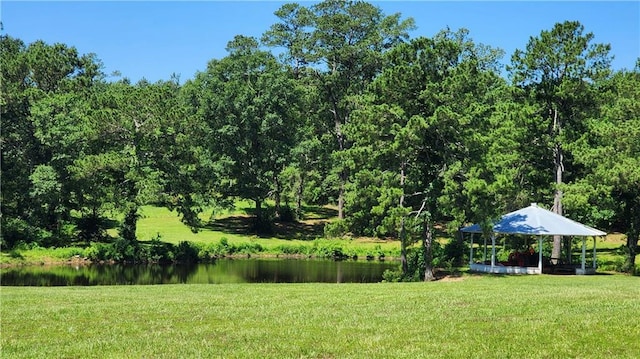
point(227, 234)
point(469, 316)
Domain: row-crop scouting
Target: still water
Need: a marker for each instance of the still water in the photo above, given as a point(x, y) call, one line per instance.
point(222, 271)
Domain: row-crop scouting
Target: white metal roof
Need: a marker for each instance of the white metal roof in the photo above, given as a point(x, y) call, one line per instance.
point(534, 220)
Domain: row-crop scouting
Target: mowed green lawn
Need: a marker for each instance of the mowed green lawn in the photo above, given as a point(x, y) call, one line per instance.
point(467, 317)
point(232, 226)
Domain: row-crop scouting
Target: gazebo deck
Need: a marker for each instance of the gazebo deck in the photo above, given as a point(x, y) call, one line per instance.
point(503, 269)
point(500, 268)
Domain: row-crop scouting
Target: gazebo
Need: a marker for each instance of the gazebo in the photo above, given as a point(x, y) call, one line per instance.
point(538, 222)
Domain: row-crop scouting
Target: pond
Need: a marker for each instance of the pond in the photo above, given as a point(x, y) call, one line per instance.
point(221, 271)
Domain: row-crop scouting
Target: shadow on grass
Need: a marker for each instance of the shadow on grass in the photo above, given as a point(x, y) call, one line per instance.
point(243, 225)
point(231, 225)
point(609, 250)
point(319, 212)
point(299, 230)
point(310, 228)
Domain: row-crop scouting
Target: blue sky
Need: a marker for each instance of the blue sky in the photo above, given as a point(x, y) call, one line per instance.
point(155, 39)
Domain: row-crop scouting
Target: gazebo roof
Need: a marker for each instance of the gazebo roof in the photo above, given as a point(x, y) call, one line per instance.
point(534, 220)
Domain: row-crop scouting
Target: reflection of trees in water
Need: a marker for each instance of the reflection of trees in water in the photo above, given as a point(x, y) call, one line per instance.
point(222, 271)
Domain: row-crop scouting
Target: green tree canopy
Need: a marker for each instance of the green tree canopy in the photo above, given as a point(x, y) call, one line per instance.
point(248, 101)
point(557, 72)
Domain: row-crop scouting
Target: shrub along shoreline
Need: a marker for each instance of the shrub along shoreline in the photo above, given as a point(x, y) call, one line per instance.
point(156, 251)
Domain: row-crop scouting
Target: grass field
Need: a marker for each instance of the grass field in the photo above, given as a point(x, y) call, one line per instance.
point(231, 224)
point(234, 227)
point(466, 317)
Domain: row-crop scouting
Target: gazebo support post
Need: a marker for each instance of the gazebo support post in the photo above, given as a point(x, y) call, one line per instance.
point(471, 251)
point(594, 253)
point(484, 257)
point(584, 252)
point(493, 251)
point(540, 254)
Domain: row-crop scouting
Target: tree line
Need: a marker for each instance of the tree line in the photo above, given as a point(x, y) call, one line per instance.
point(400, 133)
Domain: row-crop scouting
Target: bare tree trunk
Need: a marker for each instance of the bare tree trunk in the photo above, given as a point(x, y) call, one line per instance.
point(427, 251)
point(343, 174)
point(460, 239)
point(632, 246)
point(299, 191)
point(403, 248)
point(403, 234)
point(258, 209)
point(557, 198)
point(338, 121)
point(277, 196)
point(343, 180)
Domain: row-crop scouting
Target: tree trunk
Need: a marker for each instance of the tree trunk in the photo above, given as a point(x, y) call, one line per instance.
point(338, 122)
point(129, 226)
point(299, 192)
point(341, 195)
point(258, 210)
point(632, 232)
point(403, 248)
point(403, 234)
point(557, 198)
point(277, 196)
point(427, 251)
point(262, 224)
point(632, 247)
point(343, 172)
point(460, 244)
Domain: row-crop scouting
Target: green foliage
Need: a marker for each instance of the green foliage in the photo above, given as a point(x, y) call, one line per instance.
point(223, 248)
point(186, 252)
point(559, 73)
point(416, 265)
point(127, 229)
point(159, 252)
point(287, 215)
point(92, 228)
point(16, 231)
point(369, 201)
point(456, 252)
point(248, 101)
point(609, 194)
point(330, 249)
point(293, 249)
point(98, 252)
point(336, 48)
point(124, 250)
point(156, 251)
point(336, 229)
point(262, 224)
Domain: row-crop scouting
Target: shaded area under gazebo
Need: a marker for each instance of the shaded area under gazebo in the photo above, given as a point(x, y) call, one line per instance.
point(533, 221)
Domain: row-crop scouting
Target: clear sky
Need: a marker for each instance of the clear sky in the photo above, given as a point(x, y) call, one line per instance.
point(155, 39)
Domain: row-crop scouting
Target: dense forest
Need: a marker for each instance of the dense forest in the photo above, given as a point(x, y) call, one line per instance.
point(334, 104)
